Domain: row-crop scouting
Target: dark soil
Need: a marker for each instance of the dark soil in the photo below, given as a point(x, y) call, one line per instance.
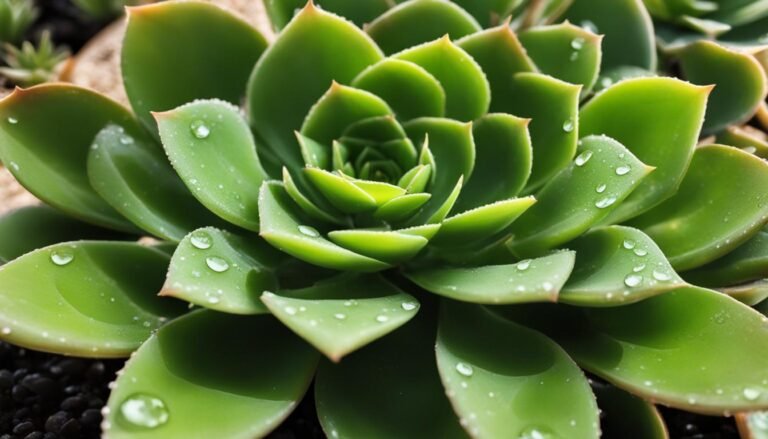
point(68, 25)
point(684, 425)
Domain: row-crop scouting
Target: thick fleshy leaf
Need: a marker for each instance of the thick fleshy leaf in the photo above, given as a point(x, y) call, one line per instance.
point(643, 114)
point(390, 246)
point(164, 42)
point(553, 107)
point(627, 26)
point(627, 416)
point(282, 88)
point(221, 271)
point(45, 135)
point(740, 82)
point(338, 108)
point(326, 215)
point(343, 314)
point(599, 179)
point(488, 12)
point(467, 93)
point(530, 280)
point(500, 55)
point(88, 298)
point(505, 380)
point(617, 265)
point(281, 11)
point(134, 176)
point(550, 46)
point(32, 227)
point(746, 263)
point(405, 400)
point(668, 348)
point(418, 21)
point(401, 208)
point(704, 221)
point(340, 191)
point(250, 372)
point(751, 294)
point(408, 88)
point(453, 150)
point(212, 149)
point(483, 222)
point(281, 226)
point(746, 137)
point(502, 163)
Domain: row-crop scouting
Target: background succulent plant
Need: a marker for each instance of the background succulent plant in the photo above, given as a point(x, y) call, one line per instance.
point(15, 18)
point(424, 189)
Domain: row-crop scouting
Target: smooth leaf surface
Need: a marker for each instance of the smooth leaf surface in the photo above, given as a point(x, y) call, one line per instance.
point(315, 49)
point(750, 294)
point(652, 348)
point(746, 263)
point(467, 228)
point(45, 135)
point(406, 400)
point(419, 21)
point(505, 380)
point(251, 372)
point(343, 314)
point(391, 246)
point(530, 280)
point(644, 114)
point(596, 182)
point(616, 265)
point(165, 42)
point(704, 221)
point(212, 149)
point(88, 298)
point(221, 271)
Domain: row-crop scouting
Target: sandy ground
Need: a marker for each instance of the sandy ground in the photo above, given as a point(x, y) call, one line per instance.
point(97, 66)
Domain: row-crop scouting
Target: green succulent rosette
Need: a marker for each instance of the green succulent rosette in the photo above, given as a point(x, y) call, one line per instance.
point(439, 215)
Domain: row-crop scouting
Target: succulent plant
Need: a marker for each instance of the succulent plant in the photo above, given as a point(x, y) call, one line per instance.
point(15, 18)
point(392, 218)
point(29, 65)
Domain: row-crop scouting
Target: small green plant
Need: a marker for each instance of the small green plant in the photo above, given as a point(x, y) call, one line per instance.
point(440, 216)
point(15, 18)
point(30, 65)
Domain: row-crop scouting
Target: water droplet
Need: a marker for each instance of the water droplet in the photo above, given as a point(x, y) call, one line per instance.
point(382, 318)
point(6, 331)
point(583, 158)
point(568, 126)
point(126, 140)
point(751, 394)
point(15, 166)
point(217, 264)
point(464, 369)
point(606, 82)
point(589, 25)
point(623, 170)
point(536, 433)
point(144, 410)
point(309, 231)
point(629, 244)
point(577, 43)
point(639, 268)
point(62, 257)
point(660, 275)
point(523, 265)
point(12, 120)
point(408, 306)
point(640, 252)
point(633, 280)
point(201, 240)
point(340, 316)
point(200, 129)
point(600, 189)
point(605, 202)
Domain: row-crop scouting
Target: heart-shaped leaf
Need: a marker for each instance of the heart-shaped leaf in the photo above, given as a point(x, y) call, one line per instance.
point(45, 135)
point(530, 280)
point(642, 114)
point(617, 265)
point(212, 149)
point(164, 42)
point(704, 221)
point(221, 271)
point(250, 372)
point(335, 49)
point(505, 380)
point(90, 299)
point(340, 315)
point(418, 21)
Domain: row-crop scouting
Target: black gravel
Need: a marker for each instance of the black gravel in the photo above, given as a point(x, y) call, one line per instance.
point(684, 425)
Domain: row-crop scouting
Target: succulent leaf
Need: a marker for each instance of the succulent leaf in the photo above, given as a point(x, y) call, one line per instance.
point(746, 263)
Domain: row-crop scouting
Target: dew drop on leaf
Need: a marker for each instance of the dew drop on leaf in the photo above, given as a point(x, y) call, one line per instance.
point(568, 126)
point(6, 330)
point(590, 26)
point(126, 140)
point(605, 202)
point(661, 276)
point(201, 240)
point(640, 252)
point(340, 316)
point(537, 433)
point(62, 257)
point(144, 410)
point(629, 244)
point(600, 189)
point(623, 170)
point(633, 280)
point(200, 129)
point(523, 265)
point(583, 158)
point(464, 369)
point(12, 120)
point(751, 394)
point(577, 43)
point(382, 318)
point(309, 231)
point(639, 268)
point(217, 264)
point(408, 306)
